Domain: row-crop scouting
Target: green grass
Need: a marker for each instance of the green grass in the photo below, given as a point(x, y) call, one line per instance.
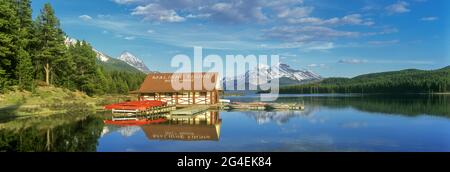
point(48, 101)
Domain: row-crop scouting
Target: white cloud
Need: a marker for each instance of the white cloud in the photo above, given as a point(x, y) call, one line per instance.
point(228, 11)
point(296, 27)
point(198, 16)
point(222, 6)
point(288, 55)
point(155, 12)
point(399, 7)
point(429, 18)
point(353, 19)
point(129, 38)
point(85, 17)
point(126, 1)
point(324, 46)
point(317, 65)
point(297, 12)
point(236, 11)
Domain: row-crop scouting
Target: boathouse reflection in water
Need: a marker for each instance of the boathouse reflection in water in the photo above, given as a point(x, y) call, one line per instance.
point(203, 126)
point(199, 127)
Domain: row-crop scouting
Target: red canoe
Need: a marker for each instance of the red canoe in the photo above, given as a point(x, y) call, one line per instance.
point(136, 105)
point(137, 122)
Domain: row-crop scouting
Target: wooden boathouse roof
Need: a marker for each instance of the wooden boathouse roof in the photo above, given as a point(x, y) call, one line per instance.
point(162, 82)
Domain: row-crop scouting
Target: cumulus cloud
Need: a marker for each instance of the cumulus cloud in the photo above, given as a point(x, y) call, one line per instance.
point(289, 23)
point(297, 12)
point(85, 17)
point(353, 19)
point(155, 12)
point(236, 11)
point(226, 11)
point(399, 7)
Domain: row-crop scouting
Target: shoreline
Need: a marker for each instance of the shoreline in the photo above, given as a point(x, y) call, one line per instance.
point(445, 93)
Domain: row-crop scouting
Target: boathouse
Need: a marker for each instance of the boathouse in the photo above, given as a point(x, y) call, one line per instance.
point(159, 86)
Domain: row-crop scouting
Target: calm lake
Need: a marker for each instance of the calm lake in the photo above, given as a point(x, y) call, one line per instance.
point(329, 123)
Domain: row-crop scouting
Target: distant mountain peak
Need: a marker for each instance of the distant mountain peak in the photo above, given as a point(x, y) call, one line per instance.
point(134, 61)
point(100, 56)
point(284, 72)
point(107, 61)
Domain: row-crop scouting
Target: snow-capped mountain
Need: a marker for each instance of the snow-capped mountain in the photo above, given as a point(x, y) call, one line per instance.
point(134, 61)
point(100, 56)
point(283, 72)
point(126, 62)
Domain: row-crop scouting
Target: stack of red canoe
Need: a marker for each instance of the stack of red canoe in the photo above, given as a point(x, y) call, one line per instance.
point(136, 105)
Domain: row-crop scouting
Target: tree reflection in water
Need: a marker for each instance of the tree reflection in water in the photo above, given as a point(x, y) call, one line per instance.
point(405, 105)
point(63, 133)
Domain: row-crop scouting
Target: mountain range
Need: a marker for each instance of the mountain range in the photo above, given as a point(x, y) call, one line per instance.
point(285, 73)
point(125, 62)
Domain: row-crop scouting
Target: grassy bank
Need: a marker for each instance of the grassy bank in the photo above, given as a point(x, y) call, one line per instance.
point(48, 101)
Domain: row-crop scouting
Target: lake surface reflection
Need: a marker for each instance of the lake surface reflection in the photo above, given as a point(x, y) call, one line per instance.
point(329, 123)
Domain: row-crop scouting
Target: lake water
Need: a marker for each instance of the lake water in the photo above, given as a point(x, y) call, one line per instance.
point(329, 123)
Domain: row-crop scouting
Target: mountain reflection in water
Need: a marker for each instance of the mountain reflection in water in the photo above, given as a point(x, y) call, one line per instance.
point(403, 104)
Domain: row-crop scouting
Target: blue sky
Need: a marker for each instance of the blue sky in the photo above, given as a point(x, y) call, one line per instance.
point(331, 38)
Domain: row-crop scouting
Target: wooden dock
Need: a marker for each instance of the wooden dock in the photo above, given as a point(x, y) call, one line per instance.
point(149, 111)
point(190, 110)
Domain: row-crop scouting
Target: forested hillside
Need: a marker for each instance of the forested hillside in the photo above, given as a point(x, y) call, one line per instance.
point(32, 52)
point(405, 81)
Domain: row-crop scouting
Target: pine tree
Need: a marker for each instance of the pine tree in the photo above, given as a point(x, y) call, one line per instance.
point(24, 68)
point(85, 73)
point(8, 29)
point(50, 39)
